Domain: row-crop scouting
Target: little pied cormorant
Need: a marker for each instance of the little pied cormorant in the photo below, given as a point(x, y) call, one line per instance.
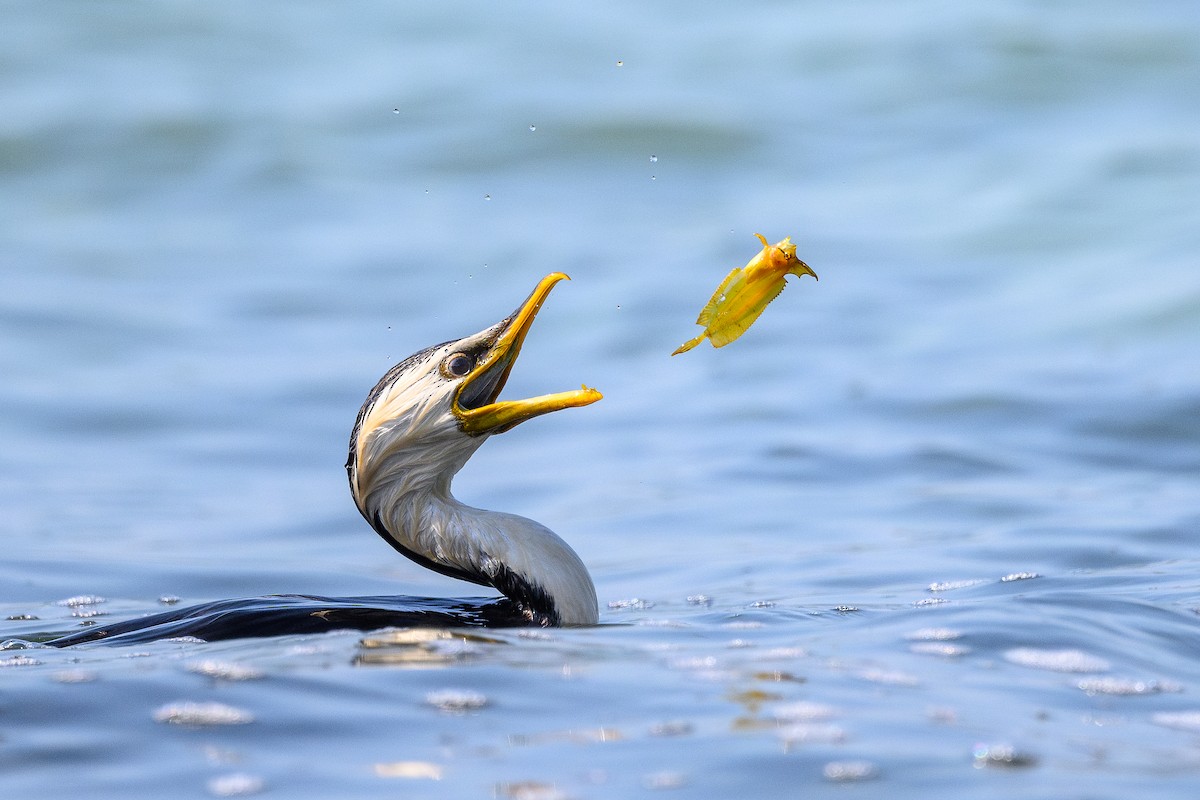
point(417, 428)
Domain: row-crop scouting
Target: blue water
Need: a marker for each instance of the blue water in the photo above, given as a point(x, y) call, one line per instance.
point(928, 528)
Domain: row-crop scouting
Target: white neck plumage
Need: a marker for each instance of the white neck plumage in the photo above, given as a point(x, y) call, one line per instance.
point(400, 474)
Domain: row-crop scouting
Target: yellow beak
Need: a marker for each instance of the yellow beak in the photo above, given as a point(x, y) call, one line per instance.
point(497, 416)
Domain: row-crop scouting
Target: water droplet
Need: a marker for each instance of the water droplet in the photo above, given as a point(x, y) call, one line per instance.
point(653, 178)
point(395, 111)
point(532, 128)
point(620, 63)
point(487, 197)
point(653, 159)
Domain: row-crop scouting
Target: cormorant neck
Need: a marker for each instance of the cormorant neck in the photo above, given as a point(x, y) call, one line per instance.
point(522, 558)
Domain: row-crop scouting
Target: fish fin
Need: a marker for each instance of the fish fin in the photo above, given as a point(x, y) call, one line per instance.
point(706, 313)
point(800, 268)
point(731, 329)
point(689, 344)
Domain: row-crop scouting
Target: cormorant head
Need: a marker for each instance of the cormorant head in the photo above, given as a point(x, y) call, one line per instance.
point(434, 408)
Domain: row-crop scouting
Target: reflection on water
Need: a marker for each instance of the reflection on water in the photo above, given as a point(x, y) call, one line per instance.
point(426, 647)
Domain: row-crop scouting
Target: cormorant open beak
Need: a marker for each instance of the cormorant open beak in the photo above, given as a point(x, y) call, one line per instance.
point(475, 402)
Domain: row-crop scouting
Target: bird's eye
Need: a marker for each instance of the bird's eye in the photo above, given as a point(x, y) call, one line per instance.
point(457, 365)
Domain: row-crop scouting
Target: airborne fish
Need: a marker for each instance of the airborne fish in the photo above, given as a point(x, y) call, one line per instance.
point(745, 292)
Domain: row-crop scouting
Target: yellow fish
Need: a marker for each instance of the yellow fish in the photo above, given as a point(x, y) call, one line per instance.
point(745, 292)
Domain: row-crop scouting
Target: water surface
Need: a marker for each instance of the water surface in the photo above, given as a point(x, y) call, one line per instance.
point(928, 527)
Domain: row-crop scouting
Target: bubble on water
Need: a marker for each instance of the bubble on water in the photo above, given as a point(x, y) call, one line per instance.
point(487, 197)
point(21, 618)
point(236, 784)
point(75, 676)
point(19, 661)
point(1126, 687)
point(850, 771)
point(620, 63)
point(456, 701)
point(934, 635)
point(532, 128)
point(168, 600)
point(943, 649)
point(698, 599)
point(19, 644)
point(653, 177)
point(1056, 660)
point(189, 713)
point(653, 159)
point(395, 111)
point(633, 603)
point(1019, 576)
point(81, 600)
point(949, 586)
point(223, 670)
point(88, 613)
point(1004, 756)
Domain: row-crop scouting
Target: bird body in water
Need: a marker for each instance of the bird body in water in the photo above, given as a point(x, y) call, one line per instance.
point(417, 428)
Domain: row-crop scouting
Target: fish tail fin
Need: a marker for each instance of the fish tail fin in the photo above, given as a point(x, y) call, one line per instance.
point(688, 345)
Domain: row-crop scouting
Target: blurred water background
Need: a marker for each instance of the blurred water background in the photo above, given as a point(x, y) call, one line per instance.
point(928, 528)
